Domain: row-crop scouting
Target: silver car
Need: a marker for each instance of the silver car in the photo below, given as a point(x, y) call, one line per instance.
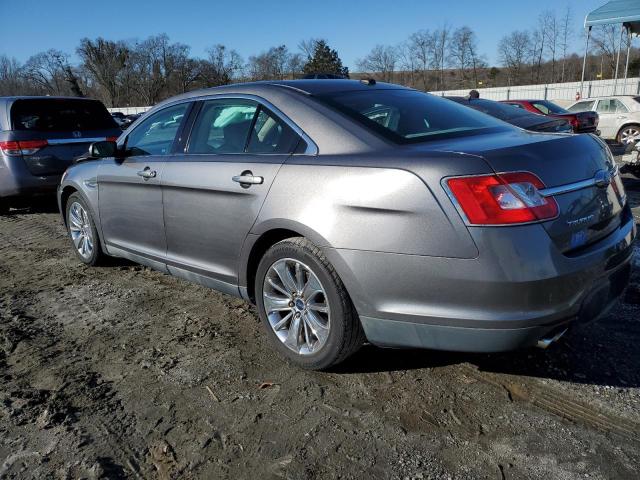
point(353, 211)
point(619, 116)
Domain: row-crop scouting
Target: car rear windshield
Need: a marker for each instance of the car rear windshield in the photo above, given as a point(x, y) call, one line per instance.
point(408, 116)
point(60, 115)
point(546, 107)
point(503, 111)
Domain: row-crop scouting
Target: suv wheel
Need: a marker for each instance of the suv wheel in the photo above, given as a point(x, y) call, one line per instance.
point(4, 207)
point(304, 306)
point(82, 231)
point(629, 134)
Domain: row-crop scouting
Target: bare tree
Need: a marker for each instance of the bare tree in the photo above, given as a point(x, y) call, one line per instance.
point(105, 60)
point(52, 73)
point(463, 52)
point(421, 46)
point(440, 45)
point(11, 79)
point(225, 65)
point(551, 31)
point(512, 51)
point(566, 33)
point(381, 60)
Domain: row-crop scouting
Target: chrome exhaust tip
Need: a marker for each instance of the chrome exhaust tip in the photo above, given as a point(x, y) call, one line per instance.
point(545, 342)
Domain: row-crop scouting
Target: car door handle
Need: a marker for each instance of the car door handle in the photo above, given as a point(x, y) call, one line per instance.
point(247, 179)
point(147, 173)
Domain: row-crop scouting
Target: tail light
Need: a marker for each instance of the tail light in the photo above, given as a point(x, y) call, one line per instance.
point(574, 123)
point(503, 199)
point(22, 147)
point(111, 139)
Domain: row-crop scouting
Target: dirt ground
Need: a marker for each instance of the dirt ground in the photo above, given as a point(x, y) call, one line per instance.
point(123, 372)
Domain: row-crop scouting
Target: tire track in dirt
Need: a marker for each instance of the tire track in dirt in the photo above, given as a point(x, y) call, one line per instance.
point(559, 404)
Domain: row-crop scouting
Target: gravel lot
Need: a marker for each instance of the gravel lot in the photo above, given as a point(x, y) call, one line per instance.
point(121, 372)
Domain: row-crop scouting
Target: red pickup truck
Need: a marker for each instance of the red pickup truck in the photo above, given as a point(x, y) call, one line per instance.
point(581, 122)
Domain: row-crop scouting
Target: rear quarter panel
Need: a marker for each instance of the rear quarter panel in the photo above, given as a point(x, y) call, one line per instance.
point(381, 209)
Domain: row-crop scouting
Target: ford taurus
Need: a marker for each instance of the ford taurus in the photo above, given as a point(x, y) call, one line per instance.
point(355, 211)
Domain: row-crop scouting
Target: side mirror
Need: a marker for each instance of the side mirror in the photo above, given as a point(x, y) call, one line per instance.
point(103, 149)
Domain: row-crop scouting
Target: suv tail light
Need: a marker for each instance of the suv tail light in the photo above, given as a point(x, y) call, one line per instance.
point(22, 147)
point(503, 199)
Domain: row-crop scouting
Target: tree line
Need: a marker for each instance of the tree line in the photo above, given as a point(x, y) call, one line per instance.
point(143, 73)
point(449, 58)
point(136, 73)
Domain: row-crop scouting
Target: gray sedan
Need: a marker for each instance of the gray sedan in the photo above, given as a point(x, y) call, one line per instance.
point(353, 211)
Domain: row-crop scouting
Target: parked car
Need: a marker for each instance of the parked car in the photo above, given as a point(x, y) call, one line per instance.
point(619, 116)
point(581, 122)
point(39, 138)
point(349, 210)
point(516, 116)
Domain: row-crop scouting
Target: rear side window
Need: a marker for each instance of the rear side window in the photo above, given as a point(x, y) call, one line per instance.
point(408, 116)
point(222, 126)
point(582, 106)
point(60, 115)
point(155, 134)
point(271, 135)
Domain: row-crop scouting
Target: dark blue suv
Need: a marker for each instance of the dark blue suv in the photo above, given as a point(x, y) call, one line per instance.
point(40, 137)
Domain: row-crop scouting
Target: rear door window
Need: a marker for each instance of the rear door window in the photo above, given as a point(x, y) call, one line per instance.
point(271, 135)
point(222, 127)
point(60, 115)
point(155, 134)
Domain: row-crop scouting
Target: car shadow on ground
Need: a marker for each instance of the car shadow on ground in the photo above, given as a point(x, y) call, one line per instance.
point(603, 353)
point(34, 206)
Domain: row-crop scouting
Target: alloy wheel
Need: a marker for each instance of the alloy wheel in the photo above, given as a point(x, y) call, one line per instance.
point(630, 135)
point(80, 230)
point(297, 306)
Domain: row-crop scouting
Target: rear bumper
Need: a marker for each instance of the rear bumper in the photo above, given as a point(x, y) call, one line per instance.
point(17, 181)
point(491, 303)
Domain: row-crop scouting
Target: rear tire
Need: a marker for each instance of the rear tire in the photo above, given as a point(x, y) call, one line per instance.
point(4, 207)
point(82, 231)
point(311, 320)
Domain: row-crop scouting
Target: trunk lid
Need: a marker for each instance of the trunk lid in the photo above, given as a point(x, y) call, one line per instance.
point(563, 163)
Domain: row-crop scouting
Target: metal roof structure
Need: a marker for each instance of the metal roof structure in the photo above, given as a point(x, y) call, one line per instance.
point(625, 13)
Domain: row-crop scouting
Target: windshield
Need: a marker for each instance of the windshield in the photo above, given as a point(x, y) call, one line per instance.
point(408, 116)
point(60, 115)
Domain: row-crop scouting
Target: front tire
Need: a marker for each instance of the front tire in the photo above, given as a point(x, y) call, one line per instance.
point(305, 307)
point(82, 231)
point(629, 135)
point(4, 207)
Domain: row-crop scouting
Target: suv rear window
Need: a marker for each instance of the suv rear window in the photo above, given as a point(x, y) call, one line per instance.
point(408, 116)
point(60, 115)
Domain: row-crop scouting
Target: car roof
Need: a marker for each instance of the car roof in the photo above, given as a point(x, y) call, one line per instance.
point(305, 86)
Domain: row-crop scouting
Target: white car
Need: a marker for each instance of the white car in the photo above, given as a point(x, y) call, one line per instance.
point(619, 116)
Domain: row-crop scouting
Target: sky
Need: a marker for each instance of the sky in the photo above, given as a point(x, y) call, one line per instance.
point(352, 27)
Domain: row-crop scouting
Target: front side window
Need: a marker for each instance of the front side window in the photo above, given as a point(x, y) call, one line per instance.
point(271, 135)
point(408, 116)
point(585, 106)
point(222, 126)
point(155, 135)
